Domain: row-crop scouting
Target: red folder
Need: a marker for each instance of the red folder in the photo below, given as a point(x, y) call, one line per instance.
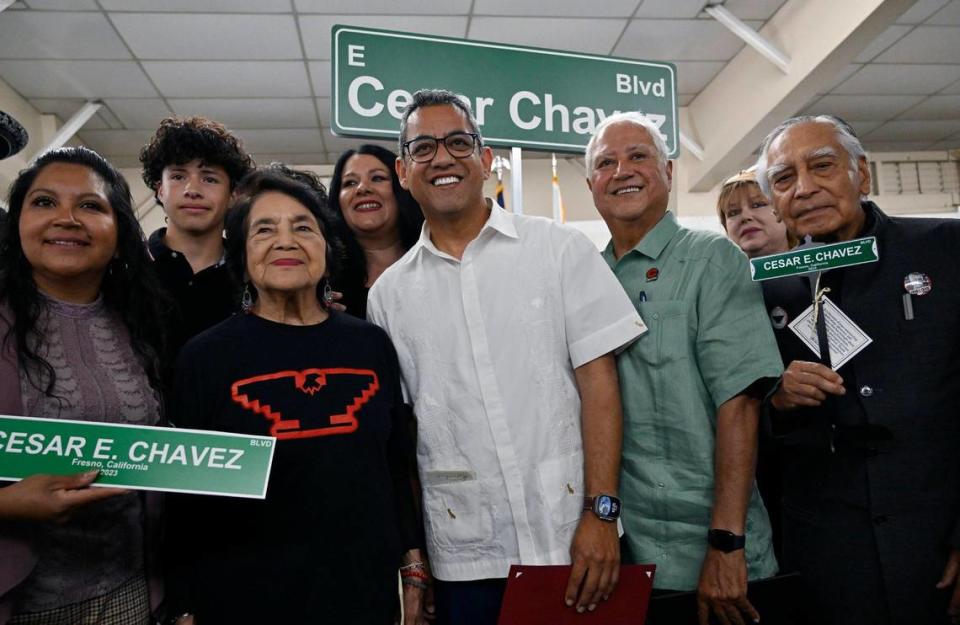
point(534, 596)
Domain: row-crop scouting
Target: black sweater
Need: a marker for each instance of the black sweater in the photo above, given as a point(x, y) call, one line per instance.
point(325, 544)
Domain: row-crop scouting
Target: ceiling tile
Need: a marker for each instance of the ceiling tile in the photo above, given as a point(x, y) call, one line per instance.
point(847, 72)
point(339, 144)
point(110, 119)
point(138, 113)
point(896, 146)
point(925, 44)
point(693, 76)
point(948, 15)
point(932, 130)
point(316, 28)
point(223, 79)
point(290, 141)
point(679, 40)
point(952, 89)
point(754, 9)
point(76, 79)
point(859, 108)
point(920, 11)
point(54, 35)
point(64, 109)
point(935, 107)
point(320, 77)
point(549, 32)
point(199, 6)
point(876, 79)
point(182, 36)
point(64, 5)
point(558, 8)
point(886, 39)
point(946, 144)
point(116, 142)
point(670, 8)
point(323, 106)
point(862, 128)
point(252, 112)
point(385, 7)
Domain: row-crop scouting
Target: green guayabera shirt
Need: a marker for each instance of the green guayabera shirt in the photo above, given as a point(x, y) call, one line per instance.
point(709, 340)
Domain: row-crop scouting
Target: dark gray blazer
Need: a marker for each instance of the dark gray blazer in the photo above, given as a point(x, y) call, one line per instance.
point(887, 501)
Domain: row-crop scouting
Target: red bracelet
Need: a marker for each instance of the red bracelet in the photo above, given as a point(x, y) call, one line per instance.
point(415, 573)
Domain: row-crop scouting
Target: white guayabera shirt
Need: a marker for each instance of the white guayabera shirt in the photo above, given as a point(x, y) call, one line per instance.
point(488, 346)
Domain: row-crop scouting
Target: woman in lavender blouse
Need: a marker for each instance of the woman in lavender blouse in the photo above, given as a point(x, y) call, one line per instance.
point(80, 338)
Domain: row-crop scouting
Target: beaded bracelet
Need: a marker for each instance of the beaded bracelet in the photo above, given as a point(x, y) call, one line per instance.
point(413, 565)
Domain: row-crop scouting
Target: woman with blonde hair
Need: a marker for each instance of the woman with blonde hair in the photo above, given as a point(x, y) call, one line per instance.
point(749, 218)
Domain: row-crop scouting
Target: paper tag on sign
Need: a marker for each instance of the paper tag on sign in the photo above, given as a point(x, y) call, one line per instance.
point(845, 337)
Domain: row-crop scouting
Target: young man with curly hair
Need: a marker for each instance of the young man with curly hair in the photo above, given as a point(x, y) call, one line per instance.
point(193, 164)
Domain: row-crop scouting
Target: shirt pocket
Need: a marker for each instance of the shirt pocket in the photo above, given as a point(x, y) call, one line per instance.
point(457, 515)
point(561, 485)
point(666, 341)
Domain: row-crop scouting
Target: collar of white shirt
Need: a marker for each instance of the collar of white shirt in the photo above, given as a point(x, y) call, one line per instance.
point(499, 220)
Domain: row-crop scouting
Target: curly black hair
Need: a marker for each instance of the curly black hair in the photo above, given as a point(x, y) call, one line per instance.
point(130, 289)
point(237, 224)
point(409, 221)
point(181, 140)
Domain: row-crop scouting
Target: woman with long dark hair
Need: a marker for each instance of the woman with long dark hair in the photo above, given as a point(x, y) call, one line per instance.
point(380, 219)
point(82, 339)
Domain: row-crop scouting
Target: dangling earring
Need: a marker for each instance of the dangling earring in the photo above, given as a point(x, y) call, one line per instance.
point(246, 301)
point(327, 295)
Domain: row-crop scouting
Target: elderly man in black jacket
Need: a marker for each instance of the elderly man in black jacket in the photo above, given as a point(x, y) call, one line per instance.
point(871, 451)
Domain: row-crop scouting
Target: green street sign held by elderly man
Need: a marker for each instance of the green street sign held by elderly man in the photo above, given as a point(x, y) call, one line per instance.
point(808, 259)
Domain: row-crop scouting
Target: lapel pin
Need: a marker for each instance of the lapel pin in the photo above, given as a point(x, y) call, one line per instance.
point(917, 283)
point(652, 274)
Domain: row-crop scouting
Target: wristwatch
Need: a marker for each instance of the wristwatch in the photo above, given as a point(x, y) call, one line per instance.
point(725, 541)
point(606, 507)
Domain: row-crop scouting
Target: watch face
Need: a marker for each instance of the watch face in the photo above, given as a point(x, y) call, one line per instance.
point(604, 505)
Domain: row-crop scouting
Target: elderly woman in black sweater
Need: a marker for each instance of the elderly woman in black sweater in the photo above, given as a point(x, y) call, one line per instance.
point(338, 521)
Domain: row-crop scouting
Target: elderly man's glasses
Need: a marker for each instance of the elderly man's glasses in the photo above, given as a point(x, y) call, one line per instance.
point(458, 144)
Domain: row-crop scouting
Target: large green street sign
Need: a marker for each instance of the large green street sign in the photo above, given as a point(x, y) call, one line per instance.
point(522, 97)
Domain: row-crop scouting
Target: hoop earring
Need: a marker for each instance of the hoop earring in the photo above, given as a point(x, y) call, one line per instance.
point(327, 295)
point(246, 300)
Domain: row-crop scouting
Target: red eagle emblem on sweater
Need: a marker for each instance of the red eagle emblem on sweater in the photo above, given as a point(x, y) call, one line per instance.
point(299, 402)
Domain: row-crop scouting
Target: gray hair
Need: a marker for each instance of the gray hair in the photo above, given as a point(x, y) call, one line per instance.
point(437, 97)
point(845, 135)
point(632, 117)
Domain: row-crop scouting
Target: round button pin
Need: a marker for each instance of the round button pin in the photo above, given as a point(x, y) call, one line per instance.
point(917, 283)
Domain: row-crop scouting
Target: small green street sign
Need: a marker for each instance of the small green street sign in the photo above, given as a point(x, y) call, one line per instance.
point(522, 97)
point(805, 260)
point(138, 457)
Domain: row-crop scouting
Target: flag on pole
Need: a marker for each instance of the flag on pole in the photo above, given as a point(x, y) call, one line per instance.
point(500, 190)
point(559, 212)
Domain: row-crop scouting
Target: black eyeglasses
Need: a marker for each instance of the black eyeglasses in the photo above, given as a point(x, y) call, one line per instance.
point(458, 144)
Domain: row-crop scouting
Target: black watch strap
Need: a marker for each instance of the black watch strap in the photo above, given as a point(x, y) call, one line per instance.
point(725, 541)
